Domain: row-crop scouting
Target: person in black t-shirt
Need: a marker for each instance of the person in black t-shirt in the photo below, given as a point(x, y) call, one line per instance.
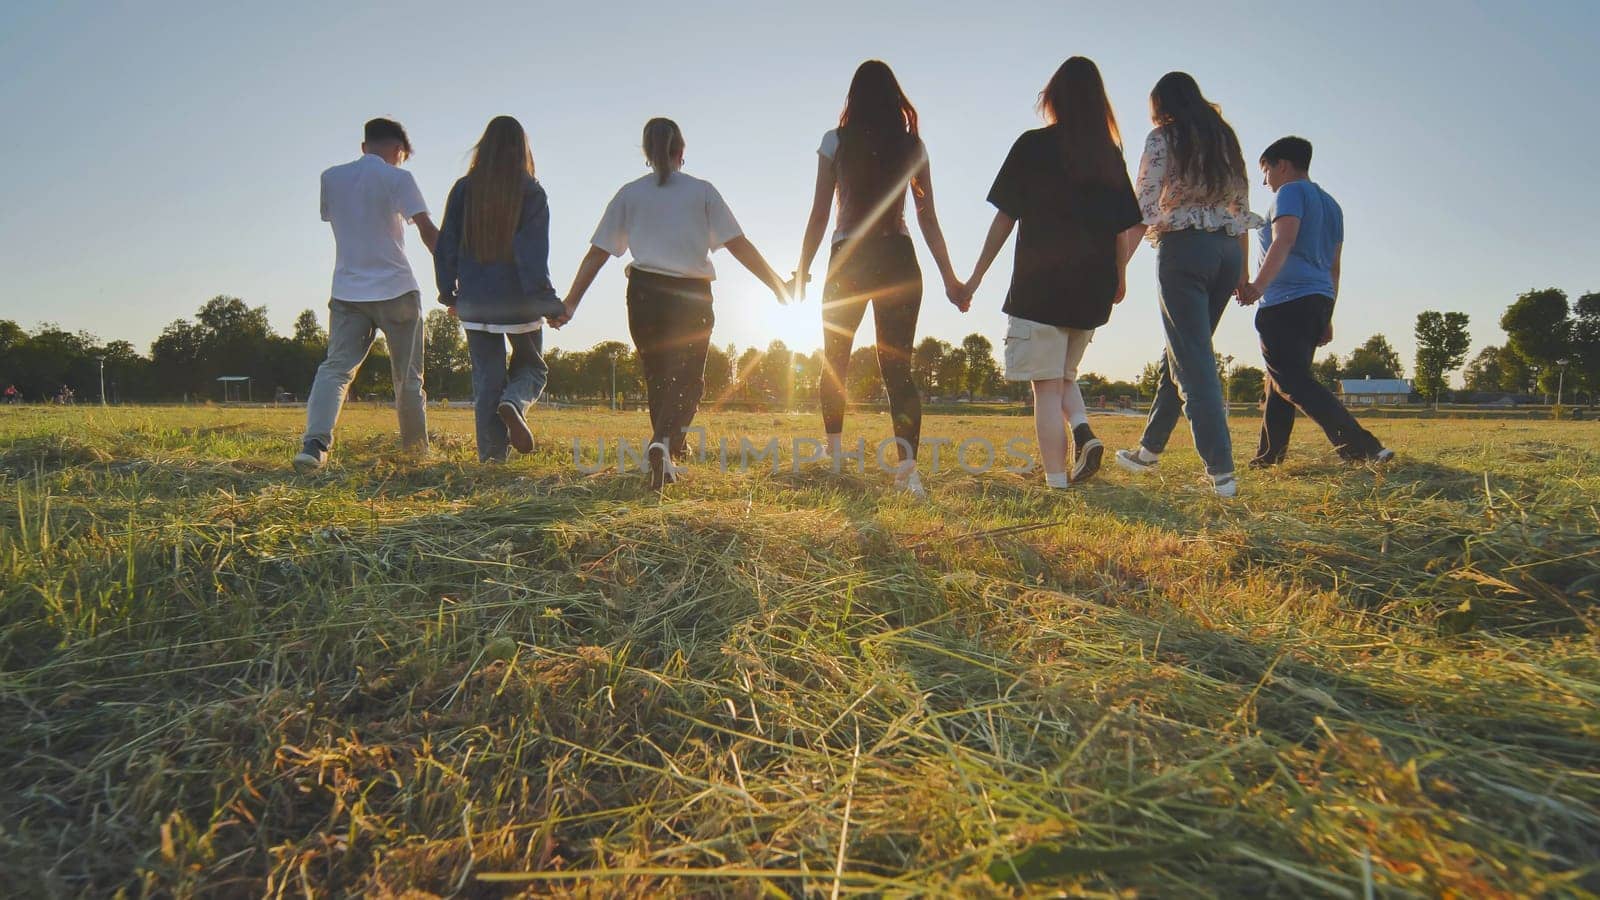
point(1068, 186)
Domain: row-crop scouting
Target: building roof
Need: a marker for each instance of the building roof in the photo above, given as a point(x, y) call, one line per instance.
point(1374, 386)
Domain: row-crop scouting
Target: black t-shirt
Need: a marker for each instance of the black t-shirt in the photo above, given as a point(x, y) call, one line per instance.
point(1066, 263)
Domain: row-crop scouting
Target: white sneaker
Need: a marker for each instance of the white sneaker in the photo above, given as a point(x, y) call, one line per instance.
point(1226, 486)
point(1138, 460)
point(909, 481)
point(1057, 480)
point(1383, 456)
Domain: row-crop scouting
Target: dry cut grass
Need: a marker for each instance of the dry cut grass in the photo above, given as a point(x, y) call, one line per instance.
point(427, 677)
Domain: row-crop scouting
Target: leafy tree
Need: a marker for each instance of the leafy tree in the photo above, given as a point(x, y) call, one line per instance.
point(1328, 371)
point(1150, 379)
point(1442, 344)
point(1538, 330)
point(446, 366)
point(308, 329)
point(951, 375)
point(1483, 373)
point(925, 362)
point(983, 373)
point(864, 382)
point(1373, 359)
point(1586, 344)
point(718, 371)
point(776, 374)
point(1246, 384)
point(175, 360)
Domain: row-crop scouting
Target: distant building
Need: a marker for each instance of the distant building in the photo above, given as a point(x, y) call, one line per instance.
point(1374, 391)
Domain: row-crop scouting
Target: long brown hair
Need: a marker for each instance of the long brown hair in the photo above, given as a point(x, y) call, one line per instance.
point(1075, 102)
point(878, 136)
point(663, 142)
point(1205, 151)
point(501, 164)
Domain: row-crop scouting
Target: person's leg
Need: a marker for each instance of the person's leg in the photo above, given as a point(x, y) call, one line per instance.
point(1193, 266)
point(488, 353)
point(645, 322)
point(691, 341)
point(897, 302)
point(528, 374)
point(350, 335)
point(1299, 386)
point(401, 322)
point(1284, 348)
point(1050, 427)
point(843, 306)
point(1164, 409)
point(1087, 449)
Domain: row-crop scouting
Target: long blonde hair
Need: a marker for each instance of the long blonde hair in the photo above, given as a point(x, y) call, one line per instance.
point(501, 162)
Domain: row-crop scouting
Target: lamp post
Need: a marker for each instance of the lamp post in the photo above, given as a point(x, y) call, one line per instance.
point(102, 361)
point(613, 380)
point(1561, 380)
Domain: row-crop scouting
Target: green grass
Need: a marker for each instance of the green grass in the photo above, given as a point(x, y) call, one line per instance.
point(427, 675)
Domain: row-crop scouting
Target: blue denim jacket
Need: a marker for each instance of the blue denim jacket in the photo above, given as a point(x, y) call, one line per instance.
point(497, 293)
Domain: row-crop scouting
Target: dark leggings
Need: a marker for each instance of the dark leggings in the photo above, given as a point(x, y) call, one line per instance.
point(884, 272)
point(670, 322)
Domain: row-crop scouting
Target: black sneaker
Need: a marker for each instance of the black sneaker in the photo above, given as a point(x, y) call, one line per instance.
point(1087, 453)
point(312, 456)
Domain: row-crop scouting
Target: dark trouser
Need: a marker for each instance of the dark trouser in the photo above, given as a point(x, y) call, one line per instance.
point(884, 271)
point(493, 383)
point(1289, 335)
point(670, 321)
point(1198, 272)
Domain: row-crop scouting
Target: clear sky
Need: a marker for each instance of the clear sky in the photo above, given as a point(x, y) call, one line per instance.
point(158, 154)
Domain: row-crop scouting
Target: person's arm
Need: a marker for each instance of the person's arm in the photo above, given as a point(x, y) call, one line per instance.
point(447, 253)
point(1338, 254)
point(587, 270)
point(751, 258)
point(1127, 244)
point(1152, 178)
point(817, 224)
point(999, 233)
point(426, 230)
point(1285, 231)
point(531, 247)
point(928, 220)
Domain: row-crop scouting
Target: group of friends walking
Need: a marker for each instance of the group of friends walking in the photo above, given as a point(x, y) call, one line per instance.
point(1063, 187)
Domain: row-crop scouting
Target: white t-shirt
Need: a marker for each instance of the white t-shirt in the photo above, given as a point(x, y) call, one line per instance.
point(368, 203)
point(829, 150)
point(670, 228)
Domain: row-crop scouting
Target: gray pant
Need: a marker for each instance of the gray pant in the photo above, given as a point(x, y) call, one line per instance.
point(352, 327)
point(494, 384)
point(1198, 271)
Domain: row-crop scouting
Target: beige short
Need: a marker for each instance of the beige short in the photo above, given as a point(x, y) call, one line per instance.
point(1038, 352)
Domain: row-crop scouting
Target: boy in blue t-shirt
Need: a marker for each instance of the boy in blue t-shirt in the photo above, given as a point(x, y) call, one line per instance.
point(1297, 284)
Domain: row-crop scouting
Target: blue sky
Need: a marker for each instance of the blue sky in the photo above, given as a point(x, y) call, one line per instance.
point(158, 154)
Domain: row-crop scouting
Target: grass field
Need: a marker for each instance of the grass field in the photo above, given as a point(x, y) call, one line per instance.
point(429, 677)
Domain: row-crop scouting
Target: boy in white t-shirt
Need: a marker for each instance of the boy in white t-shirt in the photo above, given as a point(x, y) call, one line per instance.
point(368, 202)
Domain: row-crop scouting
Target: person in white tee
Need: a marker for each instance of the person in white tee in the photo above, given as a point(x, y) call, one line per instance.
point(368, 202)
point(670, 221)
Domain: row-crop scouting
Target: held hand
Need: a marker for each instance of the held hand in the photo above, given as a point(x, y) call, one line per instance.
point(1327, 336)
point(1122, 288)
point(569, 308)
point(958, 294)
point(1248, 293)
point(797, 285)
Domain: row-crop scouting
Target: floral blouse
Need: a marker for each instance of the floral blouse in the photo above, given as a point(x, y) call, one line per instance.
point(1171, 205)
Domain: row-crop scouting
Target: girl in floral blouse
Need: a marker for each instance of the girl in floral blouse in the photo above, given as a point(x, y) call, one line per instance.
point(1195, 198)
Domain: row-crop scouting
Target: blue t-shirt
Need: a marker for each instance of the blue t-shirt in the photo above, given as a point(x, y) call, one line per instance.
point(1309, 269)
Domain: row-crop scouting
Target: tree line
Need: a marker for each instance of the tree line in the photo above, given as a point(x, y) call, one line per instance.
point(1551, 346)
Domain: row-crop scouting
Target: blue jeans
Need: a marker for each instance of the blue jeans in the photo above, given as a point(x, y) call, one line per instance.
point(493, 383)
point(1198, 271)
